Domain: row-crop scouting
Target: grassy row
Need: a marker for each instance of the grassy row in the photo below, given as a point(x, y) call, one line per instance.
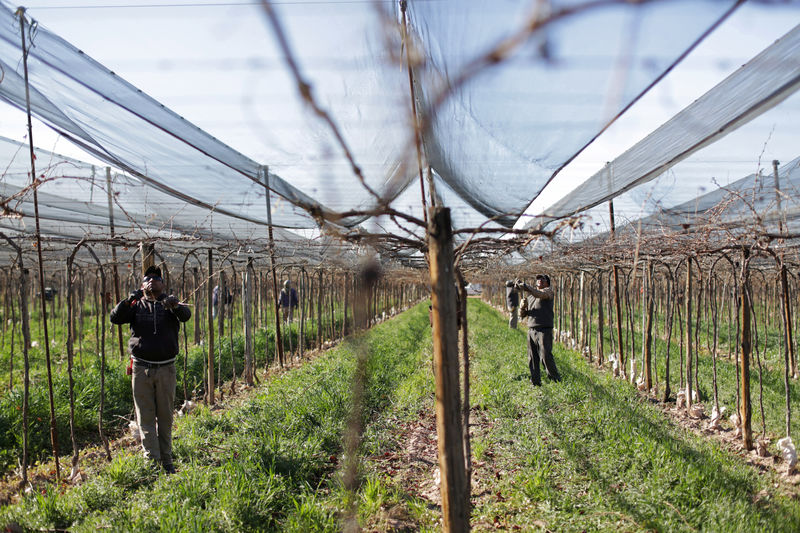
point(584, 454)
point(267, 464)
point(588, 454)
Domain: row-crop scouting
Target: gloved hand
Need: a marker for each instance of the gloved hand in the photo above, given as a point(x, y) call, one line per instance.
point(170, 302)
point(136, 295)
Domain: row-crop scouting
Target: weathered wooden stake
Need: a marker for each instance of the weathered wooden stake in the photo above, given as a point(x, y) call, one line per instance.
point(745, 410)
point(688, 302)
point(648, 340)
point(114, 269)
point(454, 488)
point(615, 271)
point(278, 339)
point(147, 253)
point(462, 292)
point(788, 349)
point(247, 322)
point(197, 302)
point(600, 320)
point(210, 311)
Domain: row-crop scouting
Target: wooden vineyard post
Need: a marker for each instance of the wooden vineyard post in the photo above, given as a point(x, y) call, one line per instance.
point(278, 340)
point(346, 287)
point(114, 269)
point(26, 342)
point(600, 319)
point(688, 301)
point(648, 339)
point(303, 289)
point(582, 307)
point(787, 310)
point(70, 346)
point(247, 320)
point(454, 489)
point(147, 252)
point(615, 271)
point(196, 287)
point(210, 313)
point(788, 351)
point(462, 304)
point(319, 311)
point(745, 410)
point(222, 305)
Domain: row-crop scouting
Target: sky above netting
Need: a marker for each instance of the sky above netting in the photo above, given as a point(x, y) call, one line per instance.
point(231, 111)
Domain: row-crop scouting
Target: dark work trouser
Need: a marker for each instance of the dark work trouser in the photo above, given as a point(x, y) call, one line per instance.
point(540, 348)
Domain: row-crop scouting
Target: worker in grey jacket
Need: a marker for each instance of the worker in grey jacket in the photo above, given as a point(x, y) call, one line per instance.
point(539, 311)
point(155, 322)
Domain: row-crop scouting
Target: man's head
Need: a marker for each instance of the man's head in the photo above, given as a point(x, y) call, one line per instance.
point(152, 283)
point(509, 283)
point(542, 280)
point(287, 284)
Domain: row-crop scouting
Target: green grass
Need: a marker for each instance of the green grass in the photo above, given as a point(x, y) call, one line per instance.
point(118, 399)
point(771, 378)
point(586, 454)
point(267, 464)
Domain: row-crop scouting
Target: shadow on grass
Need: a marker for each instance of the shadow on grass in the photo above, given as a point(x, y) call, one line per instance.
point(613, 447)
point(710, 475)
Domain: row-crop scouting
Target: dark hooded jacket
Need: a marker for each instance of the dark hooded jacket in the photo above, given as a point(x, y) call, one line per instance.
point(154, 329)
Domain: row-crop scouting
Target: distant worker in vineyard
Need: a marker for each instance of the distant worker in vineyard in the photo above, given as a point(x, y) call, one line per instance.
point(215, 300)
point(512, 302)
point(288, 301)
point(539, 311)
point(155, 321)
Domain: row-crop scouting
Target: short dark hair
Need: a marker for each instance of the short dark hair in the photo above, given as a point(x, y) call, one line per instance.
point(509, 283)
point(153, 271)
point(544, 277)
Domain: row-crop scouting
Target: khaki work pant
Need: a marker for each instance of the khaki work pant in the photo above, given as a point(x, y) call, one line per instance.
point(288, 314)
point(512, 321)
point(154, 398)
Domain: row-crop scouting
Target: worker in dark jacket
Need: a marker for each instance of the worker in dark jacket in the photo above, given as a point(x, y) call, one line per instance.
point(287, 300)
point(155, 321)
point(539, 311)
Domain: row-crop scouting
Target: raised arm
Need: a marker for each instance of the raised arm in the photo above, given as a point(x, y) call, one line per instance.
point(545, 293)
point(124, 312)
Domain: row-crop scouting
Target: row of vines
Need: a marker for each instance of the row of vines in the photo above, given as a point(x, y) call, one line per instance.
point(64, 362)
point(721, 331)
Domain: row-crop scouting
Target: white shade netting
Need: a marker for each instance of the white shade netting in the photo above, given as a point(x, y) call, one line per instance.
point(494, 138)
point(766, 86)
point(499, 137)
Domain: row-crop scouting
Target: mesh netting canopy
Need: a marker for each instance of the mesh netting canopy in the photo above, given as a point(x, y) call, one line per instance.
point(761, 84)
point(504, 96)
